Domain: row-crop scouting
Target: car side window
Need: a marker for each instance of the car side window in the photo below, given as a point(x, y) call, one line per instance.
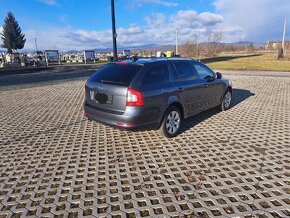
point(203, 71)
point(185, 70)
point(157, 74)
point(174, 74)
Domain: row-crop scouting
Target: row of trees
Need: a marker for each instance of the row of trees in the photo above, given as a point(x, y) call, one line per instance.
point(12, 36)
point(193, 47)
point(211, 45)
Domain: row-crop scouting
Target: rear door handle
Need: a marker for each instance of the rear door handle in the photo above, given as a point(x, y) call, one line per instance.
point(205, 85)
point(180, 89)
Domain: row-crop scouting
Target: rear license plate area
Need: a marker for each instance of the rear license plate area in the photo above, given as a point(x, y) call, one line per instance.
point(103, 98)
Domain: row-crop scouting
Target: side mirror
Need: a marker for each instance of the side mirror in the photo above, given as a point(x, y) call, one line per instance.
point(209, 78)
point(219, 75)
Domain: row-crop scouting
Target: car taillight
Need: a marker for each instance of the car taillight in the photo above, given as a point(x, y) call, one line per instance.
point(134, 98)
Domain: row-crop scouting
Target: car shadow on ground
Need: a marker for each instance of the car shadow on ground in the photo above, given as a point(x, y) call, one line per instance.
point(239, 95)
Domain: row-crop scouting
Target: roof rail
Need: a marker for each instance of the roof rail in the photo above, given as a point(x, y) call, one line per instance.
point(134, 58)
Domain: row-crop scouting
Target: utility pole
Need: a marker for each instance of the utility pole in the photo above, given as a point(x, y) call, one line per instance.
point(114, 30)
point(36, 47)
point(283, 38)
point(176, 49)
point(196, 37)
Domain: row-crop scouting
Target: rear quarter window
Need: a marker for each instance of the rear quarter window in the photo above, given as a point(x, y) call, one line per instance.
point(156, 74)
point(118, 74)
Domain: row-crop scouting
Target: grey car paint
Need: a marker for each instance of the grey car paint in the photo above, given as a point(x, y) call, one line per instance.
point(193, 95)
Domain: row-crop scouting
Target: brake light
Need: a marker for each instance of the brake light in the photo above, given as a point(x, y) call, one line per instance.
point(134, 98)
point(121, 62)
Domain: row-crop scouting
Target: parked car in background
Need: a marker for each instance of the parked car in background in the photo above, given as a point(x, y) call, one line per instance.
point(154, 93)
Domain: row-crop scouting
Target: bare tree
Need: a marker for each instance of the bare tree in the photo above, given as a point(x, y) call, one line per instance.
point(196, 38)
point(213, 42)
point(191, 46)
point(250, 48)
point(187, 49)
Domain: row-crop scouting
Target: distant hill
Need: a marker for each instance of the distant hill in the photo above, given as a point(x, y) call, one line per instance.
point(72, 52)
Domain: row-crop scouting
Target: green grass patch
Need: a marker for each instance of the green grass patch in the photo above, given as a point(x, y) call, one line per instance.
point(251, 62)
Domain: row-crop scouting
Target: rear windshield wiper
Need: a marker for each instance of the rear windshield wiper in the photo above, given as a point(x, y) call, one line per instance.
point(111, 82)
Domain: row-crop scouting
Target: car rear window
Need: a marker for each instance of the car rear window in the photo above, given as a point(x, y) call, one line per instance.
point(116, 74)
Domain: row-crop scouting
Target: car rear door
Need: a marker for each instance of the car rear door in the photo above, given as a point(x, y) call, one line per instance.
point(156, 87)
point(188, 86)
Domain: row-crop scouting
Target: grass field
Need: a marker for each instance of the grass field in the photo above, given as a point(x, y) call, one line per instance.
point(251, 62)
point(246, 62)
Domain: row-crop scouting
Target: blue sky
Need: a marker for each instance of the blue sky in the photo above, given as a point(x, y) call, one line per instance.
point(72, 24)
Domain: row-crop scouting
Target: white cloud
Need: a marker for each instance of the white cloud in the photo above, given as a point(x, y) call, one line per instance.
point(207, 18)
point(156, 20)
point(49, 2)
point(157, 2)
point(159, 29)
point(132, 30)
point(191, 19)
point(258, 20)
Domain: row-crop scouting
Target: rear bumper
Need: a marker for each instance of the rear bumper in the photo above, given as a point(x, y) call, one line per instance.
point(132, 118)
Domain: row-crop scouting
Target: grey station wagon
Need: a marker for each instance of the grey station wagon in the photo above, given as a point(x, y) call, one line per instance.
point(154, 93)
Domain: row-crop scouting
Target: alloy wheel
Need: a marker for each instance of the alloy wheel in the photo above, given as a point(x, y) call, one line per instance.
point(227, 100)
point(172, 122)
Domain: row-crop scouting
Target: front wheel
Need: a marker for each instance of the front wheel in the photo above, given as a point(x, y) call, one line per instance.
point(226, 103)
point(171, 123)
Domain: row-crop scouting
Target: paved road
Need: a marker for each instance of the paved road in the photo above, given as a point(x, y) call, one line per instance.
point(55, 163)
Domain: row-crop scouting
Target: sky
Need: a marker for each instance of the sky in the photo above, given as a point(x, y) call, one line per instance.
point(86, 24)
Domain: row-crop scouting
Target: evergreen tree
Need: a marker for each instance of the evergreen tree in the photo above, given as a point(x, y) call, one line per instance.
point(12, 36)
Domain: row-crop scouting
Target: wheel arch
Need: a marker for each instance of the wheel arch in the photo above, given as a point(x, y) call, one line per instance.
point(230, 89)
point(176, 104)
point(179, 106)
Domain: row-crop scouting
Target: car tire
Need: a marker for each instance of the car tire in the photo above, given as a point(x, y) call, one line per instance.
point(171, 122)
point(227, 99)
